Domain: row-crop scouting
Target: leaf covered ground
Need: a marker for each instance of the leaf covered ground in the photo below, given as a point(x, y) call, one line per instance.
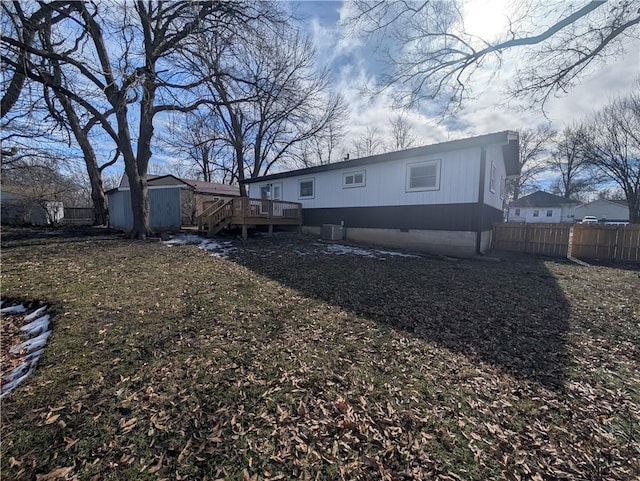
point(285, 360)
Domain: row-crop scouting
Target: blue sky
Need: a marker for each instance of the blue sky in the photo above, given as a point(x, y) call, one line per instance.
point(352, 63)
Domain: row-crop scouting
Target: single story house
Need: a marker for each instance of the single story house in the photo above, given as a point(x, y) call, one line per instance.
point(542, 207)
point(604, 210)
point(441, 198)
point(173, 202)
point(21, 209)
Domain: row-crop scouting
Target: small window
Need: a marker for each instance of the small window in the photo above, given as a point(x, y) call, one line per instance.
point(492, 178)
point(353, 179)
point(306, 189)
point(536, 213)
point(423, 176)
point(549, 213)
point(517, 212)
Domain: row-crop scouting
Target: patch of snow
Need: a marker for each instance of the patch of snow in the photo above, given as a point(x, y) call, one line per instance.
point(19, 309)
point(341, 249)
point(32, 344)
point(218, 249)
point(36, 327)
point(183, 239)
point(397, 254)
point(35, 314)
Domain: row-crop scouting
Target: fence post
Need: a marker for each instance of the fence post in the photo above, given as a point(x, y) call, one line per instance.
point(616, 252)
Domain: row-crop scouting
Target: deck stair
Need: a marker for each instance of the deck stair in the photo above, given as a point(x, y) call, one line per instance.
point(216, 217)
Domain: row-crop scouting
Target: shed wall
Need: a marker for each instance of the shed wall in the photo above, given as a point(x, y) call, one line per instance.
point(164, 209)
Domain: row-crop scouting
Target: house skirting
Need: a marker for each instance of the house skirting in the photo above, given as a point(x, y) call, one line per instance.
point(452, 243)
point(450, 229)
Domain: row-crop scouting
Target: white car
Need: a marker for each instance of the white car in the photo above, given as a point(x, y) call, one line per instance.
point(589, 219)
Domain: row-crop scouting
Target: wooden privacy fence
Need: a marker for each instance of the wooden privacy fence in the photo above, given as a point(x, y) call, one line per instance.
point(620, 243)
point(609, 242)
point(79, 215)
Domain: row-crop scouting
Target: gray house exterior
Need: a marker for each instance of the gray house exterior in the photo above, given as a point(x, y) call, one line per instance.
point(440, 198)
point(604, 210)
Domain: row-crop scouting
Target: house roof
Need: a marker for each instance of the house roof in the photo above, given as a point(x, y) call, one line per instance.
point(542, 199)
point(508, 138)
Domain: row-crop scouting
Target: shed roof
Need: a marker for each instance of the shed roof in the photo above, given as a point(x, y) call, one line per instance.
point(508, 139)
point(542, 199)
point(199, 186)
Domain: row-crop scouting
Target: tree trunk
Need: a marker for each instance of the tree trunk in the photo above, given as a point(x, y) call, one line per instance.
point(633, 201)
point(95, 175)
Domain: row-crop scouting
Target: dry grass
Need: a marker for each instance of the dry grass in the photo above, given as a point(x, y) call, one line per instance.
point(285, 362)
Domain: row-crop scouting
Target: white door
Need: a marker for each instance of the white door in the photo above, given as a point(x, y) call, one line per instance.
point(271, 192)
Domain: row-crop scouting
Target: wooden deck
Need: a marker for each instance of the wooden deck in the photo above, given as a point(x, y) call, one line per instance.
point(244, 211)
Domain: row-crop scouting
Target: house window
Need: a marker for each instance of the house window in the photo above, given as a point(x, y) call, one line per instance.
point(536, 213)
point(353, 179)
point(423, 176)
point(517, 212)
point(306, 189)
point(492, 178)
point(549, 213)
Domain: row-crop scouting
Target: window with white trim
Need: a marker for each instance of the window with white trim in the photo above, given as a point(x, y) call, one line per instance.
point(423, 176)
point(536, 213)
point(492, 178)
point(549, 213)
point(306, 189)
point(517, 212)
point(353, 179)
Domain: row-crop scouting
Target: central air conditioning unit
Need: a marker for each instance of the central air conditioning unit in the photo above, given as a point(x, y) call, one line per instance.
point(332, 232)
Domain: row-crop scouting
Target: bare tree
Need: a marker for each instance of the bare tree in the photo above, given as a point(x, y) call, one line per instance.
point(120, 60)
point(369, 143)
point(433, 56)
point(402, 136)
point(534, 152)
point(568, 159)
point(269, 97)
point(611, 142)
point(199, 145)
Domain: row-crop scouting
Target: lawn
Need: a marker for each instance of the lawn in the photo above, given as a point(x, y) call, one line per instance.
point(292, 359)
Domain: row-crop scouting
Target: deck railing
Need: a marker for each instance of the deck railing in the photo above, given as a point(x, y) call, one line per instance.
point(248, 209)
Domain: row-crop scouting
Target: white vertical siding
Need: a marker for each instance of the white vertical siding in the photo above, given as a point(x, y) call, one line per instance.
point(386, 183)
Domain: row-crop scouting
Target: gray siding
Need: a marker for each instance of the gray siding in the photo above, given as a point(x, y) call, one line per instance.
point(164, 209)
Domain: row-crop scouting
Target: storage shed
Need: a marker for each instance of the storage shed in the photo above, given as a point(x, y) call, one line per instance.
point(173, 202)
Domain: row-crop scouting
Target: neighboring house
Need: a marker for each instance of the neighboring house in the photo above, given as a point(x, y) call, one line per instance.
point(20, 209)
point(439, 198)
point(604, 210)
point(173, 202)
point(542, 207)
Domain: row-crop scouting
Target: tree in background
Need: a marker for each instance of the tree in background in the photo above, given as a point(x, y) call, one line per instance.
point(402, 136)
point(269, 99)
point(568, 160)
point(369, 143)
point(433, 57)
point(535, 145)
point(611, 144)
